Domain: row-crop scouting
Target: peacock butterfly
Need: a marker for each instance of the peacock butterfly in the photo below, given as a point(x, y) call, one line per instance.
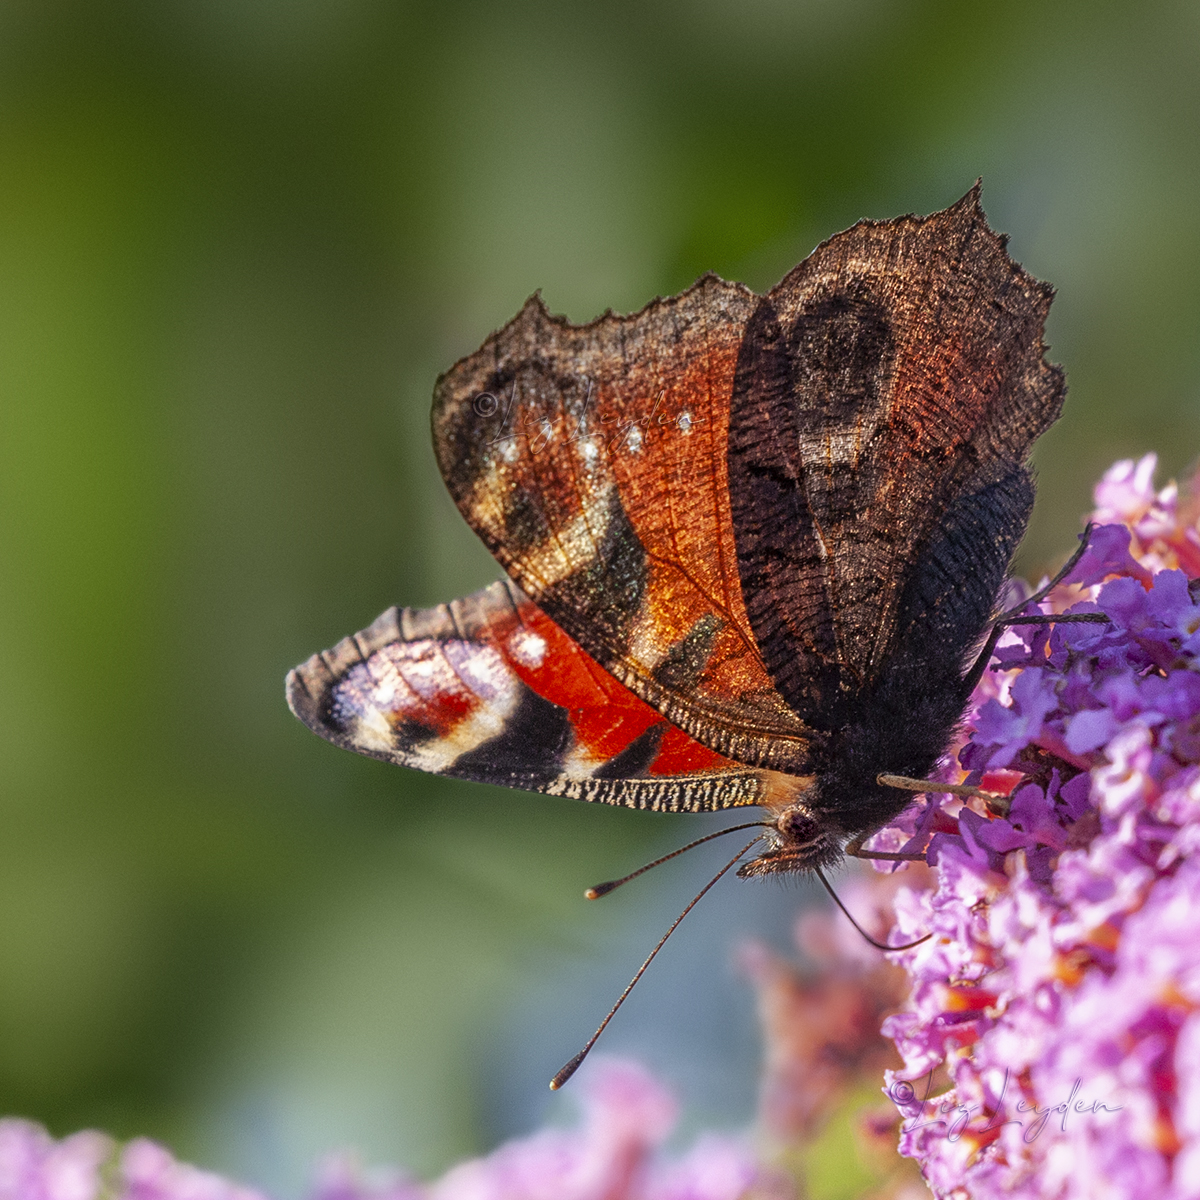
point(753, 543)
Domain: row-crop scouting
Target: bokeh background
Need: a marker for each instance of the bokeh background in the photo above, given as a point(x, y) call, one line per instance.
point(238, 241)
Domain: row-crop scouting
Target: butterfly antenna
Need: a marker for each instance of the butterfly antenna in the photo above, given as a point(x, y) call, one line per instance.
point(573, 1065)
point(878, 945)
point(602, 889)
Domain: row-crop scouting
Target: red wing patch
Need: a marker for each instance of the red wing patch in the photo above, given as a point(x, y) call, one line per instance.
point(489, 688)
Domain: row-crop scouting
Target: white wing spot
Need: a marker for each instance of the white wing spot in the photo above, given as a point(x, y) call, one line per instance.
point(684, 422)
point(634, 439)
point(528, 648)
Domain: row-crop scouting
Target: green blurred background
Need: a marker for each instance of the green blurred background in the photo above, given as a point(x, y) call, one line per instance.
point(238, 240)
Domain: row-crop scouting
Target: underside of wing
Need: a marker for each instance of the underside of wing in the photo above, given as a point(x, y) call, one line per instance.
point(887, 395)
point(488, 688)
point(592, 461)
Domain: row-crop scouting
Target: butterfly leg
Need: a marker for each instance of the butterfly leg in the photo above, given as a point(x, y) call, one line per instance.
point(996, 803)
point(1067, 568)
point(854, 849)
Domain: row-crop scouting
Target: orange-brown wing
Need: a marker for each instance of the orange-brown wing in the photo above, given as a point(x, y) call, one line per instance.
point(488, 688)
point(592, 461)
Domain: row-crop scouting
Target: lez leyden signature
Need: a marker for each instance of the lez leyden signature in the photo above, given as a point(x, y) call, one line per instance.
point(952, 1119)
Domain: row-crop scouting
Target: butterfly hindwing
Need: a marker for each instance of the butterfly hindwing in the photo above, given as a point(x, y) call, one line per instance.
point(488, 688)
point(887, 395)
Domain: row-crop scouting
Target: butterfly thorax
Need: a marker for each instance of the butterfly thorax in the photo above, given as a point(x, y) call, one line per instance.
point(902, 731)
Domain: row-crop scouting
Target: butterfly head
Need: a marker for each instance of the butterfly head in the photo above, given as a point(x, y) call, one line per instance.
point(796, 837)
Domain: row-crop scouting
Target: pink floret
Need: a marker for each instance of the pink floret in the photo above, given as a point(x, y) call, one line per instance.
point(1051, 1039)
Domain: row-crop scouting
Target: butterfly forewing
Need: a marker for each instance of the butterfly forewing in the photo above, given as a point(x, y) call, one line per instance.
point(750, 510)
point(489, 688)
point(591, 460)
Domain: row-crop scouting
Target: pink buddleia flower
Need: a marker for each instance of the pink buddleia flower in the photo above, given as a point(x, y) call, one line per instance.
point(1164, 532)
point(91, 1166)
point(33, 1166)
point(1126, 493)
point(614, 1154)
point(626, 1115)
point(716, 1167)
point(147, 1171)
point(1051, 1036)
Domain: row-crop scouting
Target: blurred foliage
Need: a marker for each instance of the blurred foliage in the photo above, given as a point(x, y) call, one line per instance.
point(238, 240)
